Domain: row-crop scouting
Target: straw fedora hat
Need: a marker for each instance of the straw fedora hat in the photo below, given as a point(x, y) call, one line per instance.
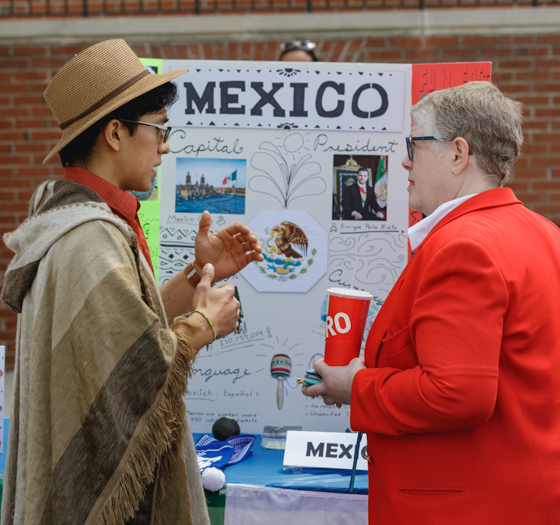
point(95, 82)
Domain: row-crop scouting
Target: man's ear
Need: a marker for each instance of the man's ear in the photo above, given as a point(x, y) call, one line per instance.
point(112, 134)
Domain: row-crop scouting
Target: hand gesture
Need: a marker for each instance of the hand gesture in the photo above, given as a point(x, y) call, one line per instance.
point(337, 382)
point(218, 304)
point(229, 250)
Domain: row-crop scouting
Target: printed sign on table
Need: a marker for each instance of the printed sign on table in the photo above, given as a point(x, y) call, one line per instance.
point(333, 450)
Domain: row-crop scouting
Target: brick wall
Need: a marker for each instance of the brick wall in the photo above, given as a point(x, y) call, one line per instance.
point(526, 67)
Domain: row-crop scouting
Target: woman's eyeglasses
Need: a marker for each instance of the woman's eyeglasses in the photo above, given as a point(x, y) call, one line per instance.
point(410, 145)
point(164, 131)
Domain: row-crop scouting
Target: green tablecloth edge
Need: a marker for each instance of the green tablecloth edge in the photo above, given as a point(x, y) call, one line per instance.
point(216, 502)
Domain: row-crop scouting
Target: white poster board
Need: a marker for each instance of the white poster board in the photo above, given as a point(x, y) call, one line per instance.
point(286, 139)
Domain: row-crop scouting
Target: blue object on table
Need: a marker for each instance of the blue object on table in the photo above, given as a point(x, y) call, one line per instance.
point(242, 447)
point(5, 441)
point(219, 454)
point(213, 454)
point(264, 467)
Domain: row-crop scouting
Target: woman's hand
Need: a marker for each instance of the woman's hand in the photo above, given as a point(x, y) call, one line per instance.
point(337, 382)
point(229, 250)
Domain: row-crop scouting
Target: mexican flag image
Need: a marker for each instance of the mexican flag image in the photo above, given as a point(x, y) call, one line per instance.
point(380, 186)
point(230, 178)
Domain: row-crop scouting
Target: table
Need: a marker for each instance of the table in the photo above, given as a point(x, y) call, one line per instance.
point(260, 490)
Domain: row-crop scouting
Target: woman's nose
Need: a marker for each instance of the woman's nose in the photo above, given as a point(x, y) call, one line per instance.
point(406, 163)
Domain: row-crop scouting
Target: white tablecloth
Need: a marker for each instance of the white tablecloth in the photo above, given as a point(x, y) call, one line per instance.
point(254, 505)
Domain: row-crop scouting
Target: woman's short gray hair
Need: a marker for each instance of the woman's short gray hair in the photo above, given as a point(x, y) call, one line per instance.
point(481, 114)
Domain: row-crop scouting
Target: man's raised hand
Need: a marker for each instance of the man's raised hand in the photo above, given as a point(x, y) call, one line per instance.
point(229, 250)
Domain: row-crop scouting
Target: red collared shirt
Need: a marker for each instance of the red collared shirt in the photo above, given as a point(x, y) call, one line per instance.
point(122, 203)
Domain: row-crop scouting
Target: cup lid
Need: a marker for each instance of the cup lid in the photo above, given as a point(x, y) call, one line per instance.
point(346, 292)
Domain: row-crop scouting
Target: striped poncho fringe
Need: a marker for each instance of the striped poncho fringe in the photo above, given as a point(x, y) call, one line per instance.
point(160, 441)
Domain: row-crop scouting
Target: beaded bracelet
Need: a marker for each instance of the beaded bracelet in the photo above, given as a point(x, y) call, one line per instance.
point(209, 322)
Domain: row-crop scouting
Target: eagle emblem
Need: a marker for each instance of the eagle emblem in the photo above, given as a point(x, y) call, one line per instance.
point(285, 252)
point(290, 236)
point(295, 252)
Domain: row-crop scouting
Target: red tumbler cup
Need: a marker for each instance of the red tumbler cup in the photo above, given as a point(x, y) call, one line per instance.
point(346, 321)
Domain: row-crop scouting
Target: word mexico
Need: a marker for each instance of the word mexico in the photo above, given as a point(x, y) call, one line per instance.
point(324, 450)
point(290, 98)
point(330, 450)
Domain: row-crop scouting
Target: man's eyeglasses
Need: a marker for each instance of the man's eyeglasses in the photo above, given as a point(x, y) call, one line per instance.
point(303, 45)
point(164, 131)
point(410, 144)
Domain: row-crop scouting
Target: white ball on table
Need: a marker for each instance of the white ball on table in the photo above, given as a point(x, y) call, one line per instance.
point(213, 479)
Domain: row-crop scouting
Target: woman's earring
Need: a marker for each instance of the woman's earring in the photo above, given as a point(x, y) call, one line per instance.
point(456, 171)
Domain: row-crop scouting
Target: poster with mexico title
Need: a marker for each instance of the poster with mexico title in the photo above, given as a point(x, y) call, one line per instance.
point(279, 146)
point(282, 147)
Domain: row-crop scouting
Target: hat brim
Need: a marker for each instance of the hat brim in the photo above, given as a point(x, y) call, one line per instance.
point(144, 85)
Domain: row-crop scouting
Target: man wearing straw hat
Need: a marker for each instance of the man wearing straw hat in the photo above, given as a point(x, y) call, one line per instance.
point(99, 432)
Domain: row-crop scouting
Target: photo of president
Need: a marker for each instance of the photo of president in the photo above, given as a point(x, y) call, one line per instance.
point(359, 201)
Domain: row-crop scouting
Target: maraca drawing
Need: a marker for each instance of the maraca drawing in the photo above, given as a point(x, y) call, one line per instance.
point(280, 368)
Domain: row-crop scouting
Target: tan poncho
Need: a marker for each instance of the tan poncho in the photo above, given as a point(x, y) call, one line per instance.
point(98, 433)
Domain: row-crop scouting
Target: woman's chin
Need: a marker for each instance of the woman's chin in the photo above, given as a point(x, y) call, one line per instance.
point(412, 204)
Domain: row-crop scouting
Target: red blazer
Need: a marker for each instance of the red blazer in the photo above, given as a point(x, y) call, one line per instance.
point(461, 397)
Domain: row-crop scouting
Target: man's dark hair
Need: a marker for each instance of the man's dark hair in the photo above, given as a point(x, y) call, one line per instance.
point(80, 149)
point(363, 169)
point(310, 52)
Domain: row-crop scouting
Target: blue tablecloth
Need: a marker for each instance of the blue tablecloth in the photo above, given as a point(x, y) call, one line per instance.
point(264, 468)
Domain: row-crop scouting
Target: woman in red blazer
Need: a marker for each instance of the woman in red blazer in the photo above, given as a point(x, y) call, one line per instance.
point(459, 392)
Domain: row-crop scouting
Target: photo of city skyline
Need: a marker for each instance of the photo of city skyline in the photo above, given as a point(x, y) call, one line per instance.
point(216, 185)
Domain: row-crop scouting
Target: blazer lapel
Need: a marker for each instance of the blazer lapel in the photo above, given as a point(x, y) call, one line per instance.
point(486, 199)
point(379, 327)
